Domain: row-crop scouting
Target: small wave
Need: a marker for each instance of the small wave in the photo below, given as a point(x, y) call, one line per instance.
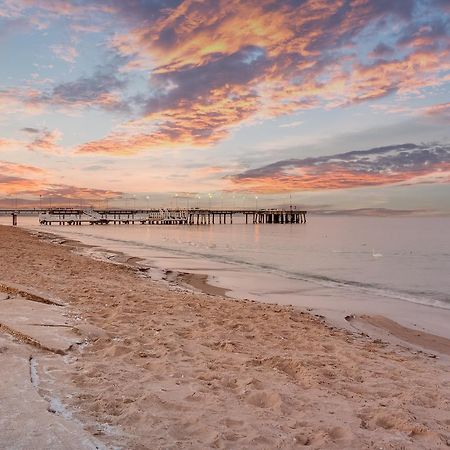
point(435, 299)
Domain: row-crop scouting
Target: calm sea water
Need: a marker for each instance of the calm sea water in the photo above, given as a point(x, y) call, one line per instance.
point(380, 259)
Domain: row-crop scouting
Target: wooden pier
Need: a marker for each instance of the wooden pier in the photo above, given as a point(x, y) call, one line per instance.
point(195, 216)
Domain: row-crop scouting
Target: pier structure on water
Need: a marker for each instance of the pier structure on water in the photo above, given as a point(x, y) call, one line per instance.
point(195, 216)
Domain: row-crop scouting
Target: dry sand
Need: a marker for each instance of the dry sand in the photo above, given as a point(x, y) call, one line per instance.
point(162, 368)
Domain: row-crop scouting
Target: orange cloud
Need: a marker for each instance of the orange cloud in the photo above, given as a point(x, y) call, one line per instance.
point(33, 181)
point(339, 178)
point(189, 124)
point(216, 64)
point(20, 169)
point(10, 144)
point(407, 163)
point(42, 140)
point(12, 185)
point(440, 111)
point(46, 141)
point(12, 177)
point(195, 33)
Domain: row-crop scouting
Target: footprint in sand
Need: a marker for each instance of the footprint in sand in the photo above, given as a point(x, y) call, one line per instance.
point(232, 423)
point(265, 399)
point(339, 433)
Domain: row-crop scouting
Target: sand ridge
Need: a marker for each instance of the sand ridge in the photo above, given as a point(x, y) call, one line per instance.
point(181, 370)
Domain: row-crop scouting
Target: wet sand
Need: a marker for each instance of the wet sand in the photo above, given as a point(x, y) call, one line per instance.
point(200, 283)
point(156, 366)
point(417, 338)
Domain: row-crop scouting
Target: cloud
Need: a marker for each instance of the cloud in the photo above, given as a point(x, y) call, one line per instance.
point(27, 180)
point(75, 192)
point(100, 90)
point(444, 4)
point(440, 111)
point(46, 141)
point(10, 144)
point(215, 65)
point(71, 8)
point(10, 101)
point(20, 169)
point(407, 163)
point(65, 52)
point(294, 124)
point(200, 125)
point(13, 184)
point(216, 100)
point(382, 50)
point(94, 168)
point(58, 193)
point(31, 130)
point(11, 26)
point(14, 177)
point(86, 27)
point(12, 8)
point(39, 140)
point(213, 69)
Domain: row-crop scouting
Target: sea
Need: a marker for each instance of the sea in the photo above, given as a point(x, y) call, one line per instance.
point(334, 265)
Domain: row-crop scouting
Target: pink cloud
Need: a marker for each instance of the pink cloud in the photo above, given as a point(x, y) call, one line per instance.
point(65, 52)
point(46, 141)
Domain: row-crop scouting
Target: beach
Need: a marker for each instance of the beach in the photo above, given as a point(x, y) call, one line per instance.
point(101, 352)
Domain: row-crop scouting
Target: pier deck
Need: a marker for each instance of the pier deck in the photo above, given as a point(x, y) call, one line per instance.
point(194, 216)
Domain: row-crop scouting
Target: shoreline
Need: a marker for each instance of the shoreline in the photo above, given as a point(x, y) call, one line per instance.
point(375, 325)
point(147, 366)
point(393, 332)
point(196, 282)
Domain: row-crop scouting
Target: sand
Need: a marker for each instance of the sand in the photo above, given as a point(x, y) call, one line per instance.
point(161, 367)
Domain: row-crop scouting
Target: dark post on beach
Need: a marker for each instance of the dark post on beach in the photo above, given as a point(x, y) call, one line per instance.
point(14, 217)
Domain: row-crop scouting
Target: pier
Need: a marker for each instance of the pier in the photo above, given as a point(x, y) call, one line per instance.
point(194, 216)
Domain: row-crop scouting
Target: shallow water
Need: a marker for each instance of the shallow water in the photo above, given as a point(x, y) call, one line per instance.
point(381, 260)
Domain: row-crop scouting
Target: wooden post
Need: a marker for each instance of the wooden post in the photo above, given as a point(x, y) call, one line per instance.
point(14, 219)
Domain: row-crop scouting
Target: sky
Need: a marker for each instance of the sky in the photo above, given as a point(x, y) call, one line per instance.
point(329, 105)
